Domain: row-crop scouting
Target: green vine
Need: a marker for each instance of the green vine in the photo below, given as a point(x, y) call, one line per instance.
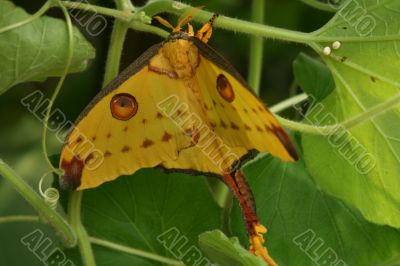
point(367, 115)
point(19, 218)
point(134, 251)
point(47, 214)
point(256, 48)
point(58, 87)
point(118, 35)
point(74, 213)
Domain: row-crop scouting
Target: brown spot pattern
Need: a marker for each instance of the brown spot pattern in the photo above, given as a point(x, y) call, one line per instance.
point(107, 154)
point(126, 148)
point(147, 143)
point(234, 126)
point(90, 157)
point(194, 133)
point(159, 115)
point(166, 137)
point(223, 124)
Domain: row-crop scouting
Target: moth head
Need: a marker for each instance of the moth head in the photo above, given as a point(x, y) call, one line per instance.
point(203, 34)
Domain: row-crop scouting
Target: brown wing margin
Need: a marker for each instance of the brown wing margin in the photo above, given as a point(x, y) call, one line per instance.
point(251, 154)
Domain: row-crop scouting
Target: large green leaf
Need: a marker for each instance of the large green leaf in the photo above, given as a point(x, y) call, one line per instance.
point(313, 76)
point(151, 211)
point(361, 165)
point(306, 225)
point(38, 49)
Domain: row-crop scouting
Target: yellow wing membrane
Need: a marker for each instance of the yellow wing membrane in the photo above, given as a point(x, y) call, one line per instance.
point(180, 106)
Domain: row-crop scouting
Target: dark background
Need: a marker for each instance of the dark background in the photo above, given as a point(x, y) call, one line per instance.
point(20, 132)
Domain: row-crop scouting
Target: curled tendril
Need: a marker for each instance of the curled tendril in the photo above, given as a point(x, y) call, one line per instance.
point(50, 195)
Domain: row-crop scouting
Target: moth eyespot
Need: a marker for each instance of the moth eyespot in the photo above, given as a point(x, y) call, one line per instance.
point(123, 106)
point(225, 89)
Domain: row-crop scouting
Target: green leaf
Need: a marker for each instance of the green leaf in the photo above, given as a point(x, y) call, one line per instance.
point(224, 251)
point(305, 224)
point(151, 211)
point(313, 77)
point(38, 49)
point(361, 165)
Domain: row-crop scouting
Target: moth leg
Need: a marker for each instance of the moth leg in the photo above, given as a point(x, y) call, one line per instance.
point(255, 229)
point(204, 34)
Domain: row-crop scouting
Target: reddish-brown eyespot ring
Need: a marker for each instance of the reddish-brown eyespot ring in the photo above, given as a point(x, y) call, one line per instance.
point(123, 106)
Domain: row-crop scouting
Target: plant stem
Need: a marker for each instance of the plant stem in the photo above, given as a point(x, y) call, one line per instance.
point(348, 124)
point(118, 14)
point(31, 18)
point(44, 210)
point(177, 8)
point(256, 48)
point(74, 213)
point(121, 15)
point(19, 218)
point(320, 5)
point(134, 251)
point(304, 128)
point(237, 25)
point(118, 35)
point(149, 28)
point(288, 103)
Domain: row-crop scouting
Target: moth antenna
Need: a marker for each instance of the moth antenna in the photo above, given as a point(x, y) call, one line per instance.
point(164, 22)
